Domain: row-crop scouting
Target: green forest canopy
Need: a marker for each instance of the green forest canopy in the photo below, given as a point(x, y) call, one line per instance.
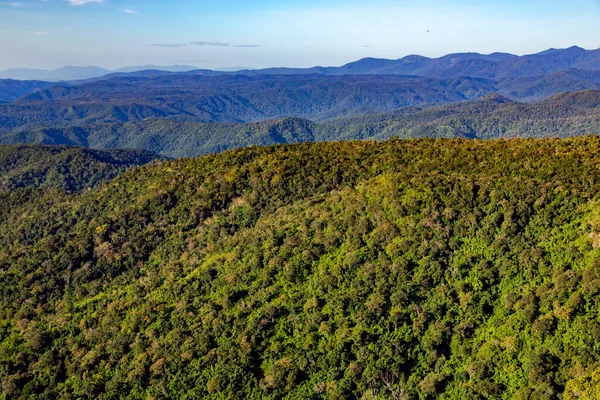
point(63, 167)
point(447, 269)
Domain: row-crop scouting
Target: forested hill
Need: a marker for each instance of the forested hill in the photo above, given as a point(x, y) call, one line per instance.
point(494, 116)
point(12, 89)
point(64, 168)
point(401, 269)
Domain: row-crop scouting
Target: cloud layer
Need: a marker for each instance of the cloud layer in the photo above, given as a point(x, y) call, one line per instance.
point(204, 43)
point(174, 45)
point(215, 44)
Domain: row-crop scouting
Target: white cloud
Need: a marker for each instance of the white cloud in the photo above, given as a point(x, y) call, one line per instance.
point(129, 11)
point(82, 2)
point(11, 4)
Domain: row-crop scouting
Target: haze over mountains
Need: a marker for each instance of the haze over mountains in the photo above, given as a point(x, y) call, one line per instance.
point(71, 73)
point(493, 66)
point(201, 111)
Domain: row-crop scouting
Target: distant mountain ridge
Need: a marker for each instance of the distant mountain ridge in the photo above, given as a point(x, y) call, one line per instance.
point(475, 65)
point(492, 66)
point(72, 73)
point(60, 74)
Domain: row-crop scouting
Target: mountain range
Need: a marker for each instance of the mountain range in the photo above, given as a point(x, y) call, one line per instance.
point(241, 98)
point(492, 66)
point(233, 98)
point(197, 112)
point(490, 117)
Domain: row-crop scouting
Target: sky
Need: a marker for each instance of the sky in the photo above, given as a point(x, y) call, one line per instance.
point(264, 33)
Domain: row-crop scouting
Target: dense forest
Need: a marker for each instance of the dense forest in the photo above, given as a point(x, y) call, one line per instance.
point(64, 168)
point(491, 117)
point(405, 269)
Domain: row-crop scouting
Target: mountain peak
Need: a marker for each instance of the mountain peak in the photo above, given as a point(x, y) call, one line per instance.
point(414, 58)
point(495, 98)
point(552, 50)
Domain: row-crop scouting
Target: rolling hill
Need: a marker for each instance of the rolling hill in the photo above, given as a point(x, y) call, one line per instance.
point(64, 168)
point(12, 89)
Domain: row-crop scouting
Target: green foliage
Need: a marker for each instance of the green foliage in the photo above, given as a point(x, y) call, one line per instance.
point(64, 168)
point(426, 269)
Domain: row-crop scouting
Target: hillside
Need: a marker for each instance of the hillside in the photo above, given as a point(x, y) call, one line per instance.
point(64, 168)
point(491, 117)
point(420, 268)
point(173, 138)
point(542, 87)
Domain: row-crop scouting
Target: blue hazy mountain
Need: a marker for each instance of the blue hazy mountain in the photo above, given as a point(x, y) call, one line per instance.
point(491, 66)
point(76, 73)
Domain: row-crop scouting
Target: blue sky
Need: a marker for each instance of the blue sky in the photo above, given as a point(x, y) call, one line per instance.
point(261, 33)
